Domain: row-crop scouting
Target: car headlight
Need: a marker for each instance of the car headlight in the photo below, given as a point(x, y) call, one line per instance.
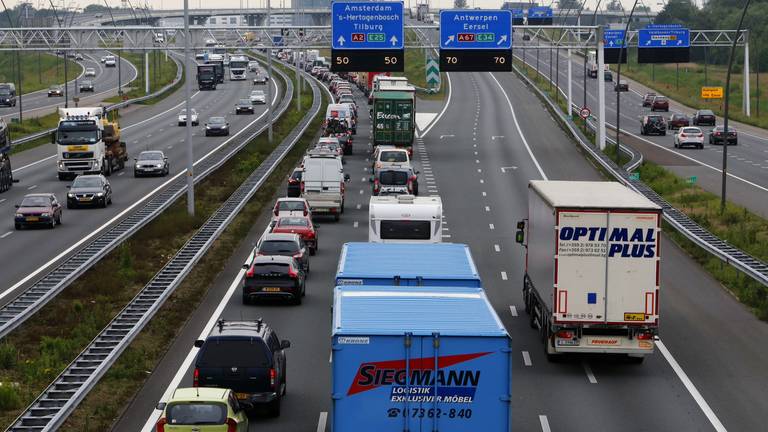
point(61, 165)
point(99, 194)
point(19, 215)
point(207, 127)
point(159, 165)
point(70, 195)
point(45, 214)
point(95, 164)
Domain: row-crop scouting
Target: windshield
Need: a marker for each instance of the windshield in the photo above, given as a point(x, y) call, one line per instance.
point(691, 130)
point(278, 247)
point(216, 120)
point(150, 156)
point(225, 353)
point(292, 221)
point(35, 201)
point(706, 112)
point(244, 102)
point(660, 99)
point(78, 137)
point(184, 112)
point(86, 182)
point(397, 178)
point(393, 156)
point(238, 64)
point(55, 88)
point(290, 205)
point(205, 413)
point(257, 93)
point(4, 92)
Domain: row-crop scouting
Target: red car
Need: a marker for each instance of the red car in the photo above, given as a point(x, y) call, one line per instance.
point(677, 121)
point(301, 225)
point(660, 103)
point(38, 209)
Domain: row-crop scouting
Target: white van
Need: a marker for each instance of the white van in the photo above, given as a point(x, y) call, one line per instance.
point(110, 61)
point(405, 219)
point(323, 185)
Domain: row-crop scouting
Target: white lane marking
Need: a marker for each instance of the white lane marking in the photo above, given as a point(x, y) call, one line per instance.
point(588, 371)
point(32, 187)
point(504, 275)
point(33, 163)
point(690, 387)
point(513, 310)
point(117, 217)
point(490, 226)
point(519, 130)
point(437, 119)
point(485, 194)
point(447, 136)
point(482, 181)
point(479, 170)
point(487, 208)
point(322, 421)
point(446, 236)
point(497, 248)
point(356, 224)
point(362, 191)
point(6, 234)
point(330, 357)
point(364, 179)
point(493, 137)
point(358, 206)
point(544, 423)
point(504, 169)
point(527, 358)
point(2, 200)
point(121, 173)
point(477, 160)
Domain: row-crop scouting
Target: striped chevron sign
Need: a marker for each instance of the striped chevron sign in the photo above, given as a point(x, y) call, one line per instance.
point(433, 72)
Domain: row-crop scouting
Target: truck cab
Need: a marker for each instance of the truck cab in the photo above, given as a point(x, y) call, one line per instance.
point(87, 143)
point(6, 173)
point(206, 77)
point(238, 66)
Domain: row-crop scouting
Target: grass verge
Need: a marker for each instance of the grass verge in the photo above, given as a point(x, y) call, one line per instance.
point(738, 226)
point(415, 69)
point(682, 82)
point(30, 126)
point(39, 70)
point(162, 72)
point(42, 347)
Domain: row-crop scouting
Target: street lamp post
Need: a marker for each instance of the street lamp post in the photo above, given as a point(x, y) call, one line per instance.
point(618, 83)
point(188, 105)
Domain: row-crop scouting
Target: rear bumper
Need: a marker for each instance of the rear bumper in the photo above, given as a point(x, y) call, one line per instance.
point(324, 207)
point(604, 345)
point(261, 398)
point(255, 293)
point(40, 221)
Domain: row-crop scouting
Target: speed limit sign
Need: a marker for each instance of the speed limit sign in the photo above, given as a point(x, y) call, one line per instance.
point(584, 112)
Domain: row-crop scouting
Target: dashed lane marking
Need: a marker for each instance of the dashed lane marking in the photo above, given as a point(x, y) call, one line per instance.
point(503, 275)
point(588, 371)
point(490, 226)
point(6, 234)
point(359, 206)
point(544, 423)
point(513, 310)
point(487, 208)
point(497, 248)
point(527, 359)
point(322, 421)
point(356, 224)
point(32, 187)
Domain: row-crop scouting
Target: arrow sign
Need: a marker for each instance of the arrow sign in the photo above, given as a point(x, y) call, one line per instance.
point(475, 29)
point(376, 25)
point(667, 36)
point(433, 72)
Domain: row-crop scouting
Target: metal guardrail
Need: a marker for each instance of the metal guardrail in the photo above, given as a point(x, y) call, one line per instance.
point(44, 289)
point(51, 409)
point(733, 256)
point(179, 69)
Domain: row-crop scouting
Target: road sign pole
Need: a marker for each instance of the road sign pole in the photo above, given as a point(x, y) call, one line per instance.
point(746, 99)
point(570, 84)
point(270, 78)
point(188, 106)
point(600, 90)
point(146, 72)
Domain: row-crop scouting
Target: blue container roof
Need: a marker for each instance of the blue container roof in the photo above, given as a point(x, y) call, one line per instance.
point(407, 260)
point(395, 310)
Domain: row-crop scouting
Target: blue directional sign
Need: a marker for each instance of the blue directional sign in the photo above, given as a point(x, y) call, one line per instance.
point(367, 25)
point(614, 38)
point(540, 12)
point(475, 29)
point(517, 13)
point(664, 37)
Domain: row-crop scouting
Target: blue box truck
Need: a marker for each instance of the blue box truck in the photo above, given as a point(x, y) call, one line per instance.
point(412, 264)
point(430, 359)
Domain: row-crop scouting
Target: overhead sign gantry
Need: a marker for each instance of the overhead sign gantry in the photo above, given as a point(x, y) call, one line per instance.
point(367, 36)
point(475, 40)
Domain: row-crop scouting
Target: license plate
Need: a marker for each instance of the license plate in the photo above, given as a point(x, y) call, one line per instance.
point(634, 316)
point(85, 199)
point(567, 342)
point(271, 289)
point(241, 395)
point(32, 218)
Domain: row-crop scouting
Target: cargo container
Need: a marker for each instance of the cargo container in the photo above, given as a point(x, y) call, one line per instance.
point(393, 117)
point(436, 359)
point(407, 264)
point(591, 281)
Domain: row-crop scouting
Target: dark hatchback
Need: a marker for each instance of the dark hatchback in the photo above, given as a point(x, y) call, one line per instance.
point(38, 209)
point(284, 245)
point(89, 190)
point(86, 86)
point(216, 126)
point(274, 277)
point(246, 357)
point(677, 121)
point(151, 162)
point(653, 125)
point(704, 118)
point(660, 103)
point(294, 183)
point(244, 106)
point(717, 136)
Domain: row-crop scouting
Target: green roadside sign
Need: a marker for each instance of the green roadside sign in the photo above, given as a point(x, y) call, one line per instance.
point(634, 176)
point(433, 72)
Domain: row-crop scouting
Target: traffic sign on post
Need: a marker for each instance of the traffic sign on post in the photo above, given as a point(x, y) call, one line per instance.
point(433, 72)
point(540, 15)
point(475, 40)
point(663, 44)
point(711, 92)
point(367, 36)
point(615, 46)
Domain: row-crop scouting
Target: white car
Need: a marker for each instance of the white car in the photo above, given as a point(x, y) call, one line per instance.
point(390, 155)
point(253, 66)
point(261, 78)
point(291, 207)
point(258, 97)
point(103, 59)
point(90, 72)
point(183, 118)
point(689, 136)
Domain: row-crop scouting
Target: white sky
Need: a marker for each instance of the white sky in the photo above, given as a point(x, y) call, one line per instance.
point(178, 4)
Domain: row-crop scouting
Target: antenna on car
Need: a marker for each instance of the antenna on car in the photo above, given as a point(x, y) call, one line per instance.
point(221, 324)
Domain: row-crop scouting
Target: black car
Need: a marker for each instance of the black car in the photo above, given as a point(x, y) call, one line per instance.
point(89, 190)
point(717, 136)
point(284, 245)
point(653, 125)
point(294, 183)
point(151, 162)
point(246, 357)
point(216, 126)
point(7, 95)
point(704, 118)
point(395, 180)
point(621, 86)
point(607, 75)
point(274, 277)
point(244, 106)
point(86, 86)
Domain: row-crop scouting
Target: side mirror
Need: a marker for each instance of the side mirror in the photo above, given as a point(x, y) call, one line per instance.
point(520, 236)
point(53, 137)
point(135, 159)
point(199, 343)
point(370, 179)
point(285, 344)
point(160, 406)
point(346, 177)
point(17, 206)
point(246, 266)
point(68, 187)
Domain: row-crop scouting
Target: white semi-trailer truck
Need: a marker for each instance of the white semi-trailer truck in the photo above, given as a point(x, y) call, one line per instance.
point(591, 281)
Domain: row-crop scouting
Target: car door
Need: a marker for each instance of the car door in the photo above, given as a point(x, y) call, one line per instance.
point(279, 357)
point(55, 207)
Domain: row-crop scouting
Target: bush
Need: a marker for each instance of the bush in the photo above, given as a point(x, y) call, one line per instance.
point(8, 356)
point(9, 398)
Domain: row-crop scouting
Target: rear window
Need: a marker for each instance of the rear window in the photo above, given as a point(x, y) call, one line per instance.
point(225, 353)
point(296, 175)
point(405, 230)
point(691, 130)
point(393, 156)
point(196, 414)
point(660, 99)
point(292, 205)
point(393, 178)
point(706, 113)
point(292, 221)
point(278, 247)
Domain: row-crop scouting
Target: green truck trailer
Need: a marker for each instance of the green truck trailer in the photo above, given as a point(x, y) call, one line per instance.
point(393, 116)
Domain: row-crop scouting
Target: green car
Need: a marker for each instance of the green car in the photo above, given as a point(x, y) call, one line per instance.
point(202, 409)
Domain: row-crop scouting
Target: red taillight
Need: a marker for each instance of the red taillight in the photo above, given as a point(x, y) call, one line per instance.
point(310, 235)
point(196, 378)
point(645, 336)
point(717, 133)
point(292, 181)
point(160, 425)
point(272, 378)
point(302, 187)
point(682, 135)
point(231, 425)
point(566, 334)
point(375, 185)
point(249, 273)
